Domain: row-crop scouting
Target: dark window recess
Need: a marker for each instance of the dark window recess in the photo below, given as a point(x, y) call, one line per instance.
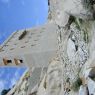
point(21, 61)
point(9, 61)
point(18, 61)
point(48, 2)
point(6, 62)
point(22, 35)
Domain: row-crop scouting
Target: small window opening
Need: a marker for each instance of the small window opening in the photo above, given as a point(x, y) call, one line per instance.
point(23, 47)
point(1, 50)
point(6, 62)
point(18, 61)
point(48, 2)
point(26, 41)
point(21, 61)
point(33, 45)
point(22, 35)
point(9, 61)
point(12, 49)
point(5, 45)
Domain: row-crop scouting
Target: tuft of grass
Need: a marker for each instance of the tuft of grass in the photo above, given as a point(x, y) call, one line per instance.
point(78, 22)
point(76, 85)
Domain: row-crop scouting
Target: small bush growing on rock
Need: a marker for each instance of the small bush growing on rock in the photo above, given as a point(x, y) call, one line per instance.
point(77, 84)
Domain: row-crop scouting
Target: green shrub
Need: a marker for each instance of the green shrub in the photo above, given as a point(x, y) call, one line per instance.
point(76, 85)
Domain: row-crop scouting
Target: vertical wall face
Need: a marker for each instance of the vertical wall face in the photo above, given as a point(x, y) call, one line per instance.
point(31, 47)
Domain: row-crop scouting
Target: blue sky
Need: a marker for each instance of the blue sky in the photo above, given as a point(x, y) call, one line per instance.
point(9, 76)
point(16, 15)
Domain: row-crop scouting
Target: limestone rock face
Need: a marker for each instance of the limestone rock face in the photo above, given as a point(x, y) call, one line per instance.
point(83, 90)
point(79, 8)
point(91, 86)
point(56, 12)
point(59, 12)
point(71, 50)
point(76, 43)
point(74, 52)
point(52, 82)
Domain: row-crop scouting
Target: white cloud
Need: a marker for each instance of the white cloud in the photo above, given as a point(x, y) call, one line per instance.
point(2, 85)
point(1, 73)
point(15, 78)
point(17, 73)
point(13, 82)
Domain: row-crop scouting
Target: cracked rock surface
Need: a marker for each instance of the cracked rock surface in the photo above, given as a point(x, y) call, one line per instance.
point(72, 71)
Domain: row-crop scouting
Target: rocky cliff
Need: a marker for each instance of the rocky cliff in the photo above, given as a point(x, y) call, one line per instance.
point(72, 70)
